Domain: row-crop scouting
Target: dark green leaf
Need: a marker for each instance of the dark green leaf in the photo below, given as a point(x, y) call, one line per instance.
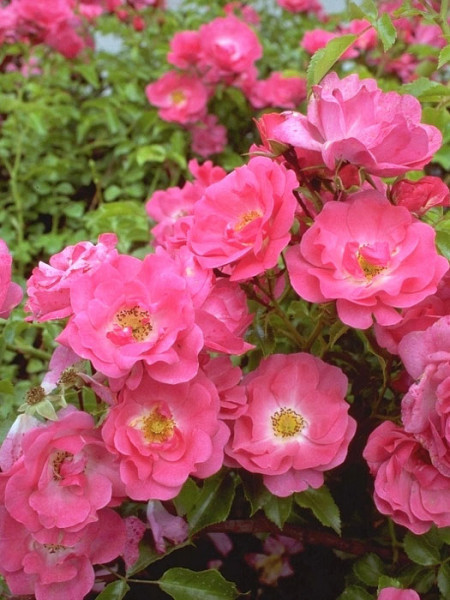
point(369, 569)
point(214, 501)
point(354, 592)
point(183, 584)
point(422, 549)
point(443, 580)
point(323, 506)
point(114, 591)
point(278, 509)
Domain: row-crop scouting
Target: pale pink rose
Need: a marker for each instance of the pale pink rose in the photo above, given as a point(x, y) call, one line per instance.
point(208, 136)
point(164, 433)
point(278, 90)
point(416, 318)
point(407, 487)
point(296, 425)
point(54, 564)
point(49, 286)
point(133, 311)
point(224, 318)
point(11, 447)
point(165, 526)
point(180, 97)
point(64, 475)
point(229, 47)
point(353, 120)
point(185, 49)
point(369, 256)
point(227, 379)
point(10, 292)
point(244, 220)
point(421, 195)
point(391, 593)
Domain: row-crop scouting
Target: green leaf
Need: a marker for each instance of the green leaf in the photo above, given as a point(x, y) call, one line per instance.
point(114, 591)
point(423, 549)
point(324, 59)
point(186, 499)
point(369, 569)
point(150, 153)
point(214, 502)
point(89, 72)
point(255, 491)
point(386, 31)
point(386, 581)
point(444, 56)
point(366, 9)
point(6, 387)
point(426, 90)
point(354, 592)
point(112, 192)
point(278, 509)
point(183, 584)
point(443, 580)
point(323, 506)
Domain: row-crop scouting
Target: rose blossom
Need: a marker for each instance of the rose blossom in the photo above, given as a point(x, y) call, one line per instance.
point(244, 219)
point(64, 475)
point(391, 593)
point(208, 136)
point(353, 120)
point(369, 256)
point(296, 425)
point(180, 97)
point(419, 196)
point(185, 48)
point(407, 487)
point(164, 433)
point(133, 311)
point(55, 564)
point(48, 288)
point(10, 292)
point(277, 90)
point(297, 6)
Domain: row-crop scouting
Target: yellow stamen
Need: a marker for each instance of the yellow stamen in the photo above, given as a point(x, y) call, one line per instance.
point(247, 218)
point(136, 320)
point(370, 270)
point(155, 427)
point(287, 423)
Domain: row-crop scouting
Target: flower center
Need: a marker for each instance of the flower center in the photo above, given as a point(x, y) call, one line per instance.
point(53, 548)
point(134, 321)
point(286, 423)
point(178, 97)
point(155, 426)
point(57, 461)
point(247, 218)
point(370, 270)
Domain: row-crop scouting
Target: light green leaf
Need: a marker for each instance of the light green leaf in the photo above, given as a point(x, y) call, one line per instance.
point(114, 591)
point(214, 502)
point(444, 56)
point(426, 90)
point(183, 584)
point(323, 506)
point(423, 549)
point(386, 31)
point(150, 153)
point(366, 9)
point(324, 59)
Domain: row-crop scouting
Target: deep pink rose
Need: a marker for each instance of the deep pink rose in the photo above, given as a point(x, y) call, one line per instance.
point(185, 49)
point(353, 120)
point(180, 97)
point(391, 593)
point(419, 196)
point(227, 379)
point(369, 256)
point(10, 292)
point(64, 476)
point(315, 39)
point(164, 433)
point(133, 311)
point(407, 487)
point(56, 564)
point(244, 220)
point(48, 288)
point(296, 425)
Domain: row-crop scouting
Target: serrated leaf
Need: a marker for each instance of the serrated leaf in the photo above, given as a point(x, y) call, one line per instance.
point(386, 31)
point(444, 56)
point(425, 89)
point(366, 9)
point(186, 499)
point(323, 506)
point(278, 509)
point(386, 581)
point(183, 584)
point(354, 592)
point(114, 591)
point(324, 59)
point(255, 491)
point(443, 580)
point(421, 549)
point(214, 502)
point(369, 569)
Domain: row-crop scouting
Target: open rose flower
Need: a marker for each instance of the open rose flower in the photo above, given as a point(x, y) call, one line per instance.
point(296, 425)
point(10, 292)
point(408, 487)
point(164, 433)
point(391, 593)
point(369, 256)
point(244, 220)
point(133, 311)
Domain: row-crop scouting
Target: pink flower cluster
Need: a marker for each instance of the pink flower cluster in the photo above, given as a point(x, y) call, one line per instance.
point(222, 52)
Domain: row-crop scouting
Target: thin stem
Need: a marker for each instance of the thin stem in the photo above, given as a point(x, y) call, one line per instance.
point(27, 350)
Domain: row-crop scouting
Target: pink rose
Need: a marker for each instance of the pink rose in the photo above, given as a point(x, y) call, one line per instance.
point(49, 286)
point(164, 526)
point(419, 196)
point(277, 90)
point(407, 487)
point(133, 311)
point(164, 433)
point(185, 49)
point(387, 137)
point(63, 477)
point(227, 379)
point(244, 220)
point(208, 136)
point(369, 256)
point(10, 292)
point(391, 593)
point(180, 97)
point(315, 39)
point(296, 425)
point(297, 6)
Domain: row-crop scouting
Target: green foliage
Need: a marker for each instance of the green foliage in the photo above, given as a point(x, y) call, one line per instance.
point(183, 584)
point(114, 591)
point(323, 506)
